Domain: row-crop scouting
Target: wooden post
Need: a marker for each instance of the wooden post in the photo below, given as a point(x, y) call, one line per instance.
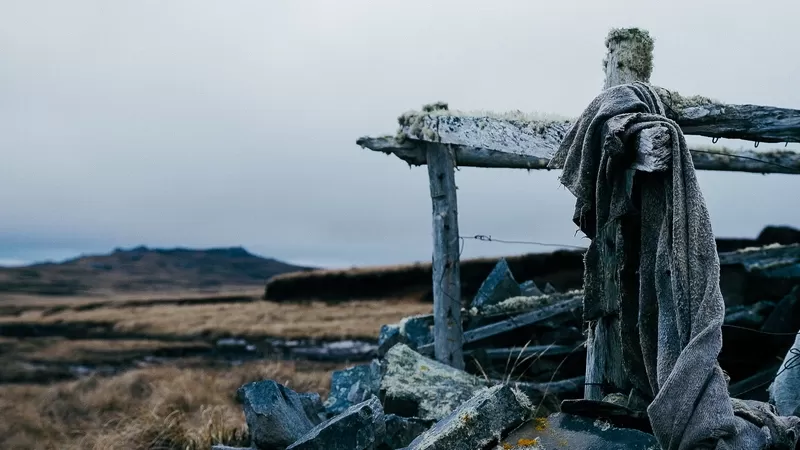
point(447, 336)
point(630, 58)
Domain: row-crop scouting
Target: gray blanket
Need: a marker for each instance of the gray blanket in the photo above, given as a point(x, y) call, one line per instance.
point(680, 307)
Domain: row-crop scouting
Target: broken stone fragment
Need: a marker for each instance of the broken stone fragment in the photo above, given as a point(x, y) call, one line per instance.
point(498, 286)
point(529, 289)
point(401, 431)
point(414, 331)
point(388, 337)
point(561, 430)
point(549, 289)
point(277, 416)
point(352, 386)
point(417, 330)
point(359, 427)
point(484, 419)
point(416, 386)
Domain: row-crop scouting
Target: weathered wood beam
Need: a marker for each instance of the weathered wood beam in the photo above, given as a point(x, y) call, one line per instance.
point(447, 333)
point(630, 58)
point(530, 351)
point(702, 116)
point(557, 388)
point(522, 133)
point(512, 323)
point(712, 158)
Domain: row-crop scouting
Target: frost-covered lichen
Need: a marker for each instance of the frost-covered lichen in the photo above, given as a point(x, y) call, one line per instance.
point(437, 389)
point(634, 51)
point(676, 102)
point(415, 124)
point(515, 305)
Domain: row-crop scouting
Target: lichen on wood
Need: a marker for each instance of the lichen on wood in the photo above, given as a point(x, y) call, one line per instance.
point(631, 49)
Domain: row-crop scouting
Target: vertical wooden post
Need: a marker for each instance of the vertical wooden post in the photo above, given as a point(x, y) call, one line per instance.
point(629, 59)
point(448, 336)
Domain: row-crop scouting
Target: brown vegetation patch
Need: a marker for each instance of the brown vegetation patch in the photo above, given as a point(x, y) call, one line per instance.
point(155, 408)
point(350, 320)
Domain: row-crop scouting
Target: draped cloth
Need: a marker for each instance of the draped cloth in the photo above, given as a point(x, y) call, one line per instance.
point(671, 324)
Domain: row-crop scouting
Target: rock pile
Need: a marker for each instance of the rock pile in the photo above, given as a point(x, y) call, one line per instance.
point(524, 375)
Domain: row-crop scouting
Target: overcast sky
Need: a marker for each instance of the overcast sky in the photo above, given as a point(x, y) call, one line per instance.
point(220, 123)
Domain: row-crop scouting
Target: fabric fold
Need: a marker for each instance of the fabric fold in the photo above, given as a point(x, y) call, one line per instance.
point(671, 357)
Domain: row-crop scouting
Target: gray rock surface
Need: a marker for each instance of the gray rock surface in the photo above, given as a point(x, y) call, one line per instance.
point(352, 386)
point(388, 337)
point(498, 286)
point(401, 431)
point(417, 330)
point(416, 386)
point(484, 419)
point(529, 289)
point(276, 415)
point(359, 427)
point(565, 431)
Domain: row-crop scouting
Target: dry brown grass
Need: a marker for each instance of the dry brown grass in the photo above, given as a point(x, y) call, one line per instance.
point(360, 319)
point(155, 408)
point(97, 351)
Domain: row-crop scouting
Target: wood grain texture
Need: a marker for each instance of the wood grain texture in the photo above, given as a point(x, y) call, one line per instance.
point(713, 158)
point(447, 334)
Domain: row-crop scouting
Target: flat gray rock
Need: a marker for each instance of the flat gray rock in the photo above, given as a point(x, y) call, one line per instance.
point(359, 427)
point(565, 431)
point(482, 420)
point(498, 286)
point(352, 386)
point(401, 431)
point(414, 331)
point(529, 289)
point(416, 386)
point(276, 415)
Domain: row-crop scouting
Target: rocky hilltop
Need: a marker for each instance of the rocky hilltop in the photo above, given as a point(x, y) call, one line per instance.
point(143, 269)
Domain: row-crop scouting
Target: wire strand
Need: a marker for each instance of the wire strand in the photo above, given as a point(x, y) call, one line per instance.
point(488, 238)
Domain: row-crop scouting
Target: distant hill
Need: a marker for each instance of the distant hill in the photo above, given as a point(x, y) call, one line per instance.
point(143, 269)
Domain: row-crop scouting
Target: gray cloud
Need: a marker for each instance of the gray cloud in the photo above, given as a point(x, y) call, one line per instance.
point(200, 123)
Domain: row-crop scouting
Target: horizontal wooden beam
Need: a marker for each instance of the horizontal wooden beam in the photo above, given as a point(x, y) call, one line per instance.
point(702, 116)
point(524, 141)
point(716, 158)
point(518, 321)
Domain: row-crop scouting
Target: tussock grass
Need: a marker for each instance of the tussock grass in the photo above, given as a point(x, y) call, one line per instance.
point(318, 320)
point(162, 408)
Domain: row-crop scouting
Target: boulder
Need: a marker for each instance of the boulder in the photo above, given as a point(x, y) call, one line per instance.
point(483, 419)
point(416, 386)
point(498, 286)
point(401, 431)
point(359, 427)
point(560, 430)
point(352, 386)
point(417, 330)
point(414, 331)
point(277, 416)
point(388, 337)
point(529, 289)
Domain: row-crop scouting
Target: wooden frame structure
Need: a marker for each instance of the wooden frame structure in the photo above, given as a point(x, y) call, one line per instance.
point(445, 139)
